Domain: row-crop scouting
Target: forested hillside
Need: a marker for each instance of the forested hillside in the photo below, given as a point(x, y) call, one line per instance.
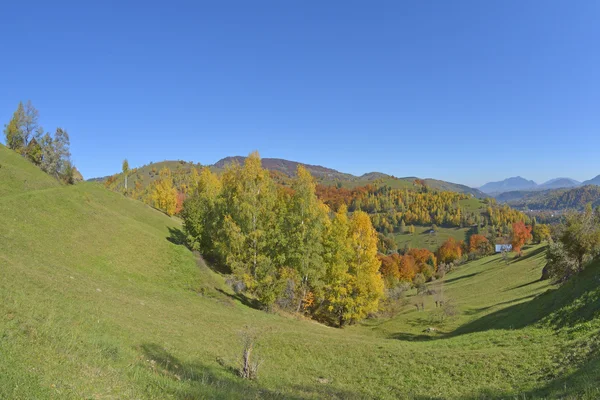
point(561, 199)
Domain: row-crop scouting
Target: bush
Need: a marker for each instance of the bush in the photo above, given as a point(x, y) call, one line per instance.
point(560, 266)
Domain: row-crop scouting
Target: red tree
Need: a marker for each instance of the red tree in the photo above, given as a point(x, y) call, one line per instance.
point(521, 234)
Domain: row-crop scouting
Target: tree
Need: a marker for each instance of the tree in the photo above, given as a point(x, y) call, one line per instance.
point(249, 200)
point(304, 228)
point(125, 169)
point(581, 235)
point(521, 234)
point(201, 213)
point(164, 194)
point(479, 244)
point(449, 251)
point(364, 267)
point(13, 131)
point(540, 233)
point(30, 124)
point(337, 289)
point(560, 265)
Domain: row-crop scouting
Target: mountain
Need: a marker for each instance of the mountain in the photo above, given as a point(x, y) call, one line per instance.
point(559, 183)
point(507, 185)
point(593, 181)
point(519, 184)
point(287, 167)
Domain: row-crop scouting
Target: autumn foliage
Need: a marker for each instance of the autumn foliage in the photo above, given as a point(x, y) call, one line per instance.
point(521, 234)
point(479, 244)
point(450, 251)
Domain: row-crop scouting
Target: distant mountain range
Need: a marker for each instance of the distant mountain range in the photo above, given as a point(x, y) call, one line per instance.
point(520, 184)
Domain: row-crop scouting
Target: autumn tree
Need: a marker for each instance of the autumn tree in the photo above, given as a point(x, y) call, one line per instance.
point(449, 251)
point(338, 282)
point(521, 234)
point(479, 244)
point(164, 194)
point(540, 233)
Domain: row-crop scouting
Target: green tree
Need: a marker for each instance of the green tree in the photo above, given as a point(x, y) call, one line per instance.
point(13, 131)
point(581, 235)
point(249, 200)
point(305, 223)
point(201, 213)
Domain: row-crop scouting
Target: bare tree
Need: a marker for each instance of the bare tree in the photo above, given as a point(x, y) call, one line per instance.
point(248, 367)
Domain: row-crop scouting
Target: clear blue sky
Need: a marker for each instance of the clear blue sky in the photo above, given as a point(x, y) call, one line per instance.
point(466, 91)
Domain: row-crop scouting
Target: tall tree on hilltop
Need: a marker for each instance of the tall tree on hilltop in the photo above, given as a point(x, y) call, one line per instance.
point(30, 125)
point(13, 131)
point(125, 169)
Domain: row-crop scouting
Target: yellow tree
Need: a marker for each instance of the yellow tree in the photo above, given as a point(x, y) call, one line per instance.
point(164, 194)
point(353, 284)
point(364, 267)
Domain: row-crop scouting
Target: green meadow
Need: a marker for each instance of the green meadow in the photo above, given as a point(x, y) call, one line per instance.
point(99, 299)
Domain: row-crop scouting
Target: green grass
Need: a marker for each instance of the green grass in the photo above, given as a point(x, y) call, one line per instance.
point(98, 300)
point(425, 240)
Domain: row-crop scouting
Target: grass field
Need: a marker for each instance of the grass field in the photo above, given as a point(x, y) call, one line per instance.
point(99, 300)
point(422, 238)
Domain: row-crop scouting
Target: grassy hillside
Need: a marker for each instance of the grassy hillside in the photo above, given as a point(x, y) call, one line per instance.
point(98, 300)
point(17, 175)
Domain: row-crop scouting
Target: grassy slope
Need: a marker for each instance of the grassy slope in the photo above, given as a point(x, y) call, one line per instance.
point(99, 301)
point(423, 239)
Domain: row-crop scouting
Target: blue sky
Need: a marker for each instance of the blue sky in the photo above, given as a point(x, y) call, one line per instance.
point(465, 91)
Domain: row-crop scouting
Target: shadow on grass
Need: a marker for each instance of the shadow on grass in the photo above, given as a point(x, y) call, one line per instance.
point(461, 277)
point(245, 300)
point(177, 236)
point(196, 380)
point(529, 255)
point(576, 301)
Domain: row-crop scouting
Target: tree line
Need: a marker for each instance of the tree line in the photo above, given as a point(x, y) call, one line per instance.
point(51, 153)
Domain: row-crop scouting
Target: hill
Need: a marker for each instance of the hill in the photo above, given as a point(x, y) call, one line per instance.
point(286, 169)
point(100, 300)
point(593, 181)
point(559, 183)
point(558, 199)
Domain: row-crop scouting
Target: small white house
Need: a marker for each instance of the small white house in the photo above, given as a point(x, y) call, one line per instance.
point(503, 247)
